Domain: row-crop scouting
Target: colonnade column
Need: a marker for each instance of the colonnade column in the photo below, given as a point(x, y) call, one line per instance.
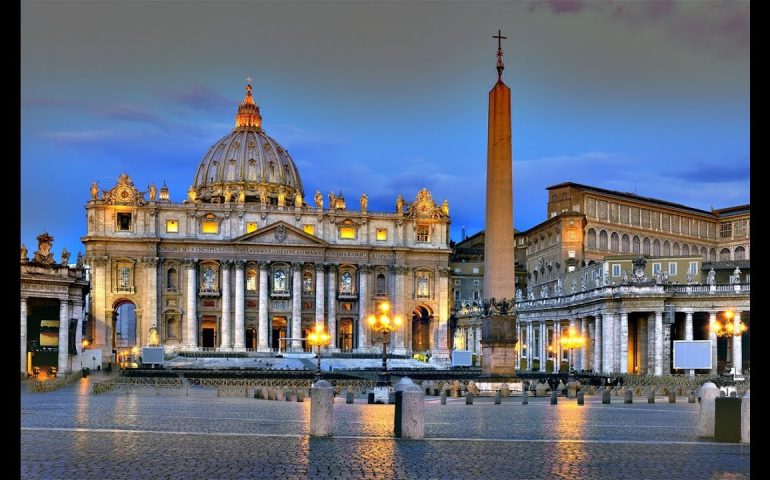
point(332, 307)
point(608, 322)
point(584, 348)
point(623, 342)
point(192, 304)
point(530, 344)
point(240, 313)
point(651, 344)
point(737, 344)
point(363, 304)
point(64, 330)
point(262, 345)
point(713, 339)
point(296, 306)
point(658, 343)
point(23, 326)
point(543, 345)
point(688, 334)
point(556, 346)
point(517, 362)
point(225, 344)
point(598, 335)
point(397, 338)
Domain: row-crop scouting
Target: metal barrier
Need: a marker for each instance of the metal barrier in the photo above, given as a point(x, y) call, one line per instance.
point(51, 385)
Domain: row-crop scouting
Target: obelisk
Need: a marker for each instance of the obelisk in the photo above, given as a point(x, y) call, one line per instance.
point(498, 331)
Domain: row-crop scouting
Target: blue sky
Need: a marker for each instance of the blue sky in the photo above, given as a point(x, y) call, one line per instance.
point(386, 98)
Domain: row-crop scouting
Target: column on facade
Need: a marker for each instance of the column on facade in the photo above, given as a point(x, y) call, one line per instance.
point(192, 304)
point(713, 339)
point(688, 334)
point(610, 343)
point(517, 361)
point(319, 292)
point(332, 307)
point(262, 344)
point(623, 342)
point(530, 344)
point(641, 344)
point(584, 348)
point(225, 341)
point(556, 346)
point(296, 306)
point(363, 304)
point(397, 337)
point(737, 344)
point(239, 329)
point(64, 324)
point(98, 303)
point(23, 327)
point(151, 303)
point(442, 350)
point(650, 343)
point(572, 354)
point(543, 345)
point(598, 343)
point(658, 343)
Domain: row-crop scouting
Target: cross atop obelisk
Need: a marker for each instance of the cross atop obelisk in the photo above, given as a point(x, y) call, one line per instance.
point(500, 66)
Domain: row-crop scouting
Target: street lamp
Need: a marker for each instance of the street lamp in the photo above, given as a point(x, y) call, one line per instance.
point(318, 338)
point(728, 329)
point(383, 323)
point(572, 341)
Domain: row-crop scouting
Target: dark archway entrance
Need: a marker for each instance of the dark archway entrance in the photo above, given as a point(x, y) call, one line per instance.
point(279, 333)
point(421, 317)
point(208, 331)
point(251, 338)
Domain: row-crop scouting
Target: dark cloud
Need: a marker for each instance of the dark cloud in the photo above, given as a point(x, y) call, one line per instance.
point(131, 114)
point(736, 172)
point(197, 97)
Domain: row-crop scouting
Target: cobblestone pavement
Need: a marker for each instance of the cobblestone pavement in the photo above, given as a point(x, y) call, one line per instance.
point(72, 434)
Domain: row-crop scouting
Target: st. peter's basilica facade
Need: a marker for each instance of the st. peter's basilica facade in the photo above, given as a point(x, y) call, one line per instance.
point(244, 264)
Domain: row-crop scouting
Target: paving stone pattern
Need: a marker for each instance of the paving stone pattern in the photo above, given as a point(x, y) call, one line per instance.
point(72, 434)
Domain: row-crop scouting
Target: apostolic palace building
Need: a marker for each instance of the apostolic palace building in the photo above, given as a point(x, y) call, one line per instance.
point(246, 263)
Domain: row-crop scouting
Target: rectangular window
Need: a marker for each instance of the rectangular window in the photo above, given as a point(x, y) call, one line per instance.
point(123, 221)
point(602, 210)
point(624, 214)
point(666, 222)
point(458, 270)
point(693, 268)
point(726, 230)
point(635, 216)
point(656, 220)
point(614, 212)
point(172, 226)
point(645, 218)
point(656, 268)
point(475, 294)
point(347, 233)
point(672, 268)
point(251, 227)
point(209, 226)
point(382, 234)
point(571, 253)
point(615, 269)
point(591, 207)
point(740, 228)
point(423, 233)
point(675, 224)
point(309, 229)
point(457, 282)
point(475, 270)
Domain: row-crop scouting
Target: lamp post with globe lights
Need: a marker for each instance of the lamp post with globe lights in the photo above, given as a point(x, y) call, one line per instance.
point(318, 338)
point(382, 322)
point(572, 341)
point(730, 328)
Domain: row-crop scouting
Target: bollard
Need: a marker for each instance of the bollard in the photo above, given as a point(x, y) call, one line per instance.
point(498, 398)
point(606, 397)
point(691, 398)
point(412, 413)
point(398, 416)
point(321, 409)
point(651, 396)
point(722, 393)
point(349, 397)
point(270, 394)
point(469, 398)
point(580, 398)
point(672, 396)
point(505, 391)
point(629, 397)
point(443, 397)
point(540, 390)
point(745, 420)
point(554, 398)
point(524, 397)
point(734, 394)
point(707, 415)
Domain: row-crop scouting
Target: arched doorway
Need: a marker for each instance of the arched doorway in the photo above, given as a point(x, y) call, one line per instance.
point(421, 317)
point(124, 333)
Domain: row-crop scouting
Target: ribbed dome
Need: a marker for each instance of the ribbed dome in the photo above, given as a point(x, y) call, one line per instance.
point(247, 165)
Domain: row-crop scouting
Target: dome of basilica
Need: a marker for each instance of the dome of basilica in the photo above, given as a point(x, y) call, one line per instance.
point(247, 165)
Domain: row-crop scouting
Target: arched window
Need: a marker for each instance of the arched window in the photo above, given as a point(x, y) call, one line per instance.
point(382, 288)
point(637, 245)
point(615, 242)
point(666, 248)
point(685, 250)
point(251, 280)
point(724, 254)
point(279, 281)
point(704, 254)
point(346, 283)
point(172, 326)
point(713, 255)
point(125, 325)
point(124, 278)
point(307, 282)
point(646, 246)
point(675, 250)
point(656, 248)
point(625, 244)
point(740, 253)
point(171, 279)
point(602, 240)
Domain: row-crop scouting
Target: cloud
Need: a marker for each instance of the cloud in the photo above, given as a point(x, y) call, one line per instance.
point(83, 136)
point(196, 97)
point(131, 114)
point(716, 173)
